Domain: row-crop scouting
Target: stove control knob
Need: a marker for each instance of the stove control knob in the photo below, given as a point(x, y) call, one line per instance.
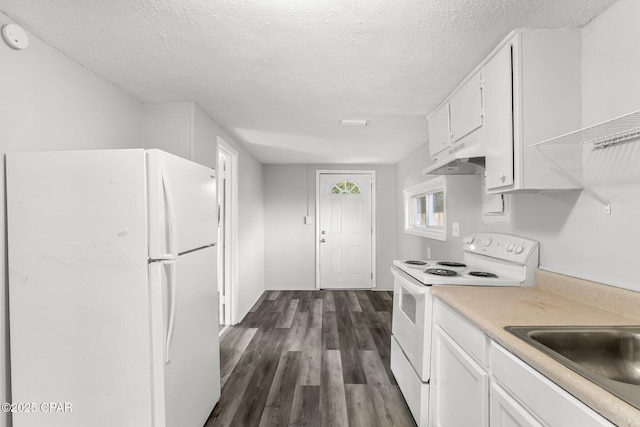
point(468, 240)
point(519, 249)
point(487, 242)
point(510, 247)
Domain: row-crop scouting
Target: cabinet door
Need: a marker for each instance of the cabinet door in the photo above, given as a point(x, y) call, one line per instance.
point(465, 108)
point(460, 387)
point(506, 412)
point(498, 118)
point(439, 130)
point(552, 405)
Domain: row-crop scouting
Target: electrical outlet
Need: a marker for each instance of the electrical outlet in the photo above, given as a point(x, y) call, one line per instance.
point(455, 229)
point(428, 253)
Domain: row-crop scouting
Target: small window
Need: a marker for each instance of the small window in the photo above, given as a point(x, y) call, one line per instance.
point(428, 210)
point(345, 187)
point(425, 209)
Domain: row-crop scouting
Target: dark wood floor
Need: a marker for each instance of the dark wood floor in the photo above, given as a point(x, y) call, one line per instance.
point(311, 358)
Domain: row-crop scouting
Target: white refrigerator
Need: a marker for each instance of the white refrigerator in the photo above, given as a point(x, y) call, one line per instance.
point(112, 289)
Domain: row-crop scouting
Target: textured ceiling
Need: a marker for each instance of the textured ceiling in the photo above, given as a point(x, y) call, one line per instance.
point(280, 74)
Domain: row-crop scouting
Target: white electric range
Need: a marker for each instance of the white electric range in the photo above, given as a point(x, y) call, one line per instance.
point(489, 259)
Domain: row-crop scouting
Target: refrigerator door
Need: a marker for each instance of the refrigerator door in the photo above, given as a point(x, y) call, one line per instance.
point(183, 210)
point(79, 303)
point(185, 321)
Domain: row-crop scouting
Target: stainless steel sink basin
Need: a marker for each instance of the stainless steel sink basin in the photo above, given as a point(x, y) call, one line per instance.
point(607, 355)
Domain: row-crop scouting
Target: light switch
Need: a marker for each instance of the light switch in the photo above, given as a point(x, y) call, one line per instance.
point(308, 220)
point(455, 229)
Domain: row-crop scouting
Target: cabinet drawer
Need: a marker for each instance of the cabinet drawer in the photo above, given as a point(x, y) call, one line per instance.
point(464, 333)
point(415, 392)
point(552, 405)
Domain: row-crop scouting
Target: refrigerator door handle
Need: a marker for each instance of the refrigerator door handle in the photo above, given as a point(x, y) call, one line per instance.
point(171, 215)
point(171, 288)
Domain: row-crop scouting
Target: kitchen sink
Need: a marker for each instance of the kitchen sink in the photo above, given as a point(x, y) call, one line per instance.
point(607, 355)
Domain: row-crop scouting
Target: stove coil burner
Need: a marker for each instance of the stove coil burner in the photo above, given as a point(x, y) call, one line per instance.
point(441, 272)
point(412, 262)
point(482, 274)
point(451, 264)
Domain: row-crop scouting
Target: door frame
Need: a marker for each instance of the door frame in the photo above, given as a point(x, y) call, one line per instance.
point(372, 174)
point(230, 246)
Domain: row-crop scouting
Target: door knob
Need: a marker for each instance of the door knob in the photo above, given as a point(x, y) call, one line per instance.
point(322, 240)
point(323, 232)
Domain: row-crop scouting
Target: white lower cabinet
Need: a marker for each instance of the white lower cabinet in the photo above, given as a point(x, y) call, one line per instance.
point(543, 399)
point(459, 375)
point(459, 385)
point(476, 382)
point(506, 412)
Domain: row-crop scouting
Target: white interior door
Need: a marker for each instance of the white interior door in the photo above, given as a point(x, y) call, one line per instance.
point(345, 230)
point(228, 233)
point(222, 236)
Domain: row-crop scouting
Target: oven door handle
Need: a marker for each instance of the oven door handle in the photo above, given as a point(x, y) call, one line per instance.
point(408, 282)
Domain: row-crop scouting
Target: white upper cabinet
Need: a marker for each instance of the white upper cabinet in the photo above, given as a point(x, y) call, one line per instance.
point(458, 117)
point(532, 92)
point(439, 132)
point(526, 91)
point(465, 108)
point(498, 129)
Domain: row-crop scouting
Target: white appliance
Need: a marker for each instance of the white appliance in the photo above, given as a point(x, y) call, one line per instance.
point(112, 288)
point(490, 259)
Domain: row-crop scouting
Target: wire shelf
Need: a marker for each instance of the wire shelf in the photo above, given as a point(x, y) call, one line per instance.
point(601, 135)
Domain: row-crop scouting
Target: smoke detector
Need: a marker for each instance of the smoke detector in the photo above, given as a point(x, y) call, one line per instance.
point(15, 37)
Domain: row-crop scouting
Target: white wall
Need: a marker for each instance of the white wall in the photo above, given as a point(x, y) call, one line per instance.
point(290, 244)
point(610, 88)
point(575, 235)
point(251, 226)
point(463, 204)
point(181, 128)
point(168, 126)
point(49, 102)
point(204, 148)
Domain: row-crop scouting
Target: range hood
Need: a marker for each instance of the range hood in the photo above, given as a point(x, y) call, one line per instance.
point(459, 160)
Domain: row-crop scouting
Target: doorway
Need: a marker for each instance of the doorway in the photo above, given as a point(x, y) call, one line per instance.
point(228, 234)
point(345, 230)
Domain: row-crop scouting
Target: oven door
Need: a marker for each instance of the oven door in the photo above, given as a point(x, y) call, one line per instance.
point(412, 314)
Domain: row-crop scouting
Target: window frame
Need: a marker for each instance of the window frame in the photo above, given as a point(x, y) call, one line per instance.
point(425, 188)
